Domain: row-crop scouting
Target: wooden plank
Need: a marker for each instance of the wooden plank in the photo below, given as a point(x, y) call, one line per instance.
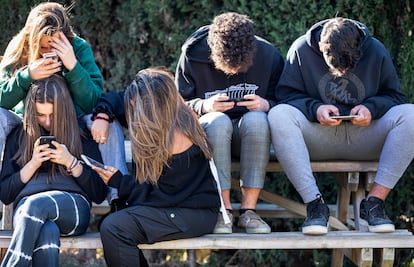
point(324, 166)
point(274, 240)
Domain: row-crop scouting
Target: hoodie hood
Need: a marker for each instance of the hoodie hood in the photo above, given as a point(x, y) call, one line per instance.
point(196, 47)
point(313, 35)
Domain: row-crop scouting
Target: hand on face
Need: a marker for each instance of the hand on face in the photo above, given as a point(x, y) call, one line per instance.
point(63, 48)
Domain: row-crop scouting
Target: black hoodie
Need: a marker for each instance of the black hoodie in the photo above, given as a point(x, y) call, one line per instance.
point(306, 82)
point(197, 79)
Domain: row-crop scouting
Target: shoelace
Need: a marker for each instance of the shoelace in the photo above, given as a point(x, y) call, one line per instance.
point(377, 210)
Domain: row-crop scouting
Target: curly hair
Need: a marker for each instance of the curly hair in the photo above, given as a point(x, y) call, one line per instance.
point(232, 42)
point(340, 44)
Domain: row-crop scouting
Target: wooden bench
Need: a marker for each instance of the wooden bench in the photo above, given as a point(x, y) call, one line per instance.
point(354, 178)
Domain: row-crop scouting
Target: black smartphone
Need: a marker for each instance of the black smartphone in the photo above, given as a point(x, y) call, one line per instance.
point(47, 139)
point(91, 162)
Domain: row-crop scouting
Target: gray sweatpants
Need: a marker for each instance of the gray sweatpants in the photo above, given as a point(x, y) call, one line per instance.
point(297, 141)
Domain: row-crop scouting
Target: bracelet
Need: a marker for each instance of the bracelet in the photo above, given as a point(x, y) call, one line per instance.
point(73, 165)
point(96, 117)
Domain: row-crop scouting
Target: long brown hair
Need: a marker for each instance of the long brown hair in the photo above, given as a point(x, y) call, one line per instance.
point(65, 127)
point(155, 111)
point(44, 19)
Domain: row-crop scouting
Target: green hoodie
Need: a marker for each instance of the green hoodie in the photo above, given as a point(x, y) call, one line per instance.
point(84, 80)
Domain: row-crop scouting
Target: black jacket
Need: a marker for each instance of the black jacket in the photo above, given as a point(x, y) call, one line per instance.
point(197, 79)
point(306, 82)
point(12, 189)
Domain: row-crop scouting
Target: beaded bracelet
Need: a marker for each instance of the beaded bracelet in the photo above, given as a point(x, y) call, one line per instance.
point(73, 165)
point(96, 117)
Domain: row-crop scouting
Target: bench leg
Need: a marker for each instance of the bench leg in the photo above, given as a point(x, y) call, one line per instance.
point(192, 259)
point(337, 258)
point(357, 197)
point(362, 257)
point(386, 257)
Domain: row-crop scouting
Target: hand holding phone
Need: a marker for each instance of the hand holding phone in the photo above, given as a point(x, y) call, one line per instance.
point(51, 55)
point(91, 162)
point(47, 139)
point(343, 117)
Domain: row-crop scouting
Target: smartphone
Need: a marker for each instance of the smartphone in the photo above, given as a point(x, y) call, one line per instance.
point(344, 117)
point(51, 55)
point(91, 162)
point(47, 139)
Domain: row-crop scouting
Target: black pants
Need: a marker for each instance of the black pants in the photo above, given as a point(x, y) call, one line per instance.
point(122, 231)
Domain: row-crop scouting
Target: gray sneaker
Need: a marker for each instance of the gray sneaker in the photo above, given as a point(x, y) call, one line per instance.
point(253, 223)
point(224, 228)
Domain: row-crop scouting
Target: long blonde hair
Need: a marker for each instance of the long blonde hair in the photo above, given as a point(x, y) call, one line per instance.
point(44, 19)
point(155, 111)
point(65, 127)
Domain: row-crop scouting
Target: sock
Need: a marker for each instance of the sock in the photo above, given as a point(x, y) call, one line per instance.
point(241, 211)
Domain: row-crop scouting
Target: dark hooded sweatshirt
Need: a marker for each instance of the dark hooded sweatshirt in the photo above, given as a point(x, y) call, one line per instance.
point(306, 82)
point(197, 79)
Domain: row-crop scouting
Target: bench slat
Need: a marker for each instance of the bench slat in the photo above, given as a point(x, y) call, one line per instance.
point(275, 240)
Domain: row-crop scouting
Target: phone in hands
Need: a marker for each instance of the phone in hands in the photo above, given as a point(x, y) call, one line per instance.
point(91, 162)
point(343, 117)
point(47, 139)
point(51, 55)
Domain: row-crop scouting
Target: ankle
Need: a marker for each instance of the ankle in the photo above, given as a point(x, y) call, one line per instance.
point(242, 211)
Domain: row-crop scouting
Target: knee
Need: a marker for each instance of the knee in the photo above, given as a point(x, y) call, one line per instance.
point(283, 114)
point(108, 228)
point(32, 206)
point(256, 121)
point(217, 124)
point(49, 233)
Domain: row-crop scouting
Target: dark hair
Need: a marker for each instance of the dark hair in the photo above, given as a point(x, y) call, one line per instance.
point(232, 42)
point(340, 44)
point(52, 90)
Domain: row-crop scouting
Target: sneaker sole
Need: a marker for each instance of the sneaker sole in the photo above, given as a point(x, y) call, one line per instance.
point(381, 228)
point(223, 231)
point(258, 231)
point(315, 230)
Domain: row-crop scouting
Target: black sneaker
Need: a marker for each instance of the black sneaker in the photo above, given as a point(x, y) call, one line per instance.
point(372, 214)
point(316, 222)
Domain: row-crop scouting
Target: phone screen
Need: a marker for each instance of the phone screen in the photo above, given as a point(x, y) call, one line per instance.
point(91, 162)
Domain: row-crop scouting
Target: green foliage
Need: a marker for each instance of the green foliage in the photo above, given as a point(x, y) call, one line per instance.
point(130, 35)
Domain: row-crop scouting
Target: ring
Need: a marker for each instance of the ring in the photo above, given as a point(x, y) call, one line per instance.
point(103, 137)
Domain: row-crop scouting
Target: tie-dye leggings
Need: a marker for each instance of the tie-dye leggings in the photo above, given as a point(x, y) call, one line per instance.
point(39, 220)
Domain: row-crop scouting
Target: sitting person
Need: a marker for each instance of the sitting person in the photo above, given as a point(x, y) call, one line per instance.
point(173, 193)
point(49, 187)
point(338, 68)
point(228, 76)
point(48, 45)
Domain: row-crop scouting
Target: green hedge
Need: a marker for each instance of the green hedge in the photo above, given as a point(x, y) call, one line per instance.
point(128, 35)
